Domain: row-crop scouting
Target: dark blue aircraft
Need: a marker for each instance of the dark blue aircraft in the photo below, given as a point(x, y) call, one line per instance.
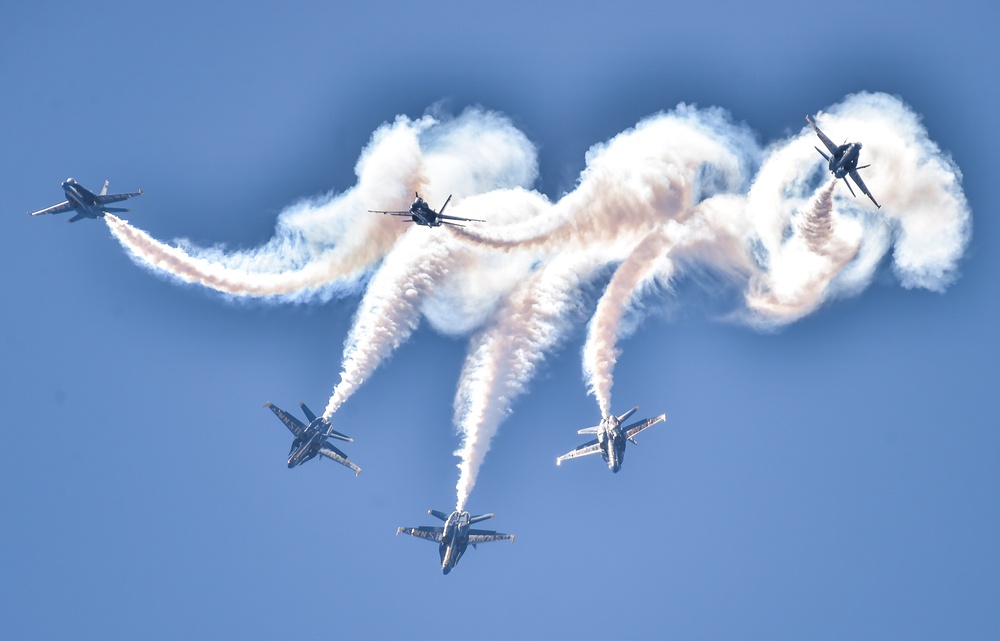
point(421, 213)
point(611, 438)
point(311, 439)
point(843, 161)
point(455, 536)
point(86, 203)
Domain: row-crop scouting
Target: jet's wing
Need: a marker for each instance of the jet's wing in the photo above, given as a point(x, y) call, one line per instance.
point(471, 220)
point(114, 198)
point(856, 177)
point(822, 136)
point(590, 447)
point(423, 532)
point(331, 452)
point(635, 428)
point(485, 536)
point(293, 424)
point(54, 209)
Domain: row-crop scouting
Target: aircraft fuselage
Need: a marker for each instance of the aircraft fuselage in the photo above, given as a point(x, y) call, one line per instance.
point(309, 444)
point(612, 442)
point(82, 199)
point(454, 540)
point(422, 214)
point(845, 160)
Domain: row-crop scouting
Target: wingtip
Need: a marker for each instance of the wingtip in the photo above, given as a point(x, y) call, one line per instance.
point(357, 472)
point(267, 404)
point(399, 531)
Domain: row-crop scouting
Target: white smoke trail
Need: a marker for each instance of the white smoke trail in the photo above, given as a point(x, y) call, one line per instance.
point(600, 352)
point(670, 198)
point(321, 246)
point(327, 246)
point(925, 218)
point(504, 356)
point(426, 263)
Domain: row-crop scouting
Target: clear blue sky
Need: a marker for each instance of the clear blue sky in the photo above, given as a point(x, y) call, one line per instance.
point(836, 480)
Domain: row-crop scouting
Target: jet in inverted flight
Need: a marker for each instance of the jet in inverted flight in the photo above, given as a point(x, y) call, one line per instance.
point(86, 203)
point(312, 439)
point(611, 438)
point(421, 214)
point(843, 161)
point(455, 536)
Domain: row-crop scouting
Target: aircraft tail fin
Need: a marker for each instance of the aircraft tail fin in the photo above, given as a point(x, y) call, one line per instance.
point(445, 204)
point(76, 218)
point(481, 517)
point(115, 210)
point(308, 412)
point(849, 185)
point(589, 430)
point(862, 167)
point(104, 191)
point(623, 417)
point(440, 515)
point(825, 157)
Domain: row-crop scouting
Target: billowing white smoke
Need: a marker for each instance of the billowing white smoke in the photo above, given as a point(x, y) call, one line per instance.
point(326, 246)
point(504, 356)
point(681, 193)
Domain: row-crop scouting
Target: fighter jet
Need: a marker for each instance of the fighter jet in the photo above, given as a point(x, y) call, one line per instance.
point(611, 438)
point(311, 439)
point(843, 161)
point(86, 203)
point(421, 213)
point(455, 536)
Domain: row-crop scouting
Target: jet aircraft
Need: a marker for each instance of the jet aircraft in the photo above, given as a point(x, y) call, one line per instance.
point(421, 213)
point(843, 161)
point(611, 438)
point(311, 439)
point(455, 536)
point(85, 202)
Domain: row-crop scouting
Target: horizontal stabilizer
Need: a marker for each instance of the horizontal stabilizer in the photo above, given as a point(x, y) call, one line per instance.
point(481, 517)
point(589, 430)
point(115, 210)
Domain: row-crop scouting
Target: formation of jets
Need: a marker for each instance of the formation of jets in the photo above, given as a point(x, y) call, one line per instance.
point(86, 203)
point(312, 439)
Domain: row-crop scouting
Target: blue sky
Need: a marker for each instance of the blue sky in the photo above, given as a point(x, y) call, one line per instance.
point(836, 479)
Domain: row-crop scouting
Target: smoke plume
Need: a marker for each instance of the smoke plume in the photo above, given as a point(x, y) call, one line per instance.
point(683, 193)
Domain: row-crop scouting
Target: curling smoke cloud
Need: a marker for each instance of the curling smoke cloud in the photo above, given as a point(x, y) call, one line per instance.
point(683, 192)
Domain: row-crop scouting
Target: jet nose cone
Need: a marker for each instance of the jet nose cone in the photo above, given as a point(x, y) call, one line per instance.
point(445, 570)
